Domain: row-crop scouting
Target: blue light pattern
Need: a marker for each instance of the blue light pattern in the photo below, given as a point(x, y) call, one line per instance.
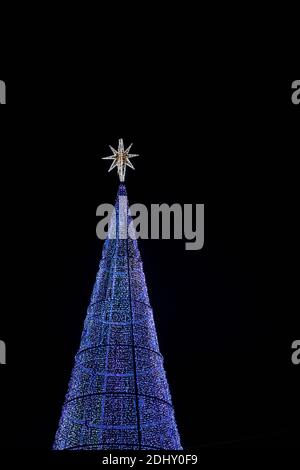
point(118, 395)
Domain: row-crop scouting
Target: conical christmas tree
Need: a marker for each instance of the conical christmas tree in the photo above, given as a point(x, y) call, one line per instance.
point(118, 396)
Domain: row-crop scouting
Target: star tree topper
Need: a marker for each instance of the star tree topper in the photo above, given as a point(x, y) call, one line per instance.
point(121, 159)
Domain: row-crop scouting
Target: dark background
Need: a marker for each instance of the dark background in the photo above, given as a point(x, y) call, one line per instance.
point(225, 315)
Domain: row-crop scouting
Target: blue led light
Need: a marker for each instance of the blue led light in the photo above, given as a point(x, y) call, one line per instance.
point(118, 395)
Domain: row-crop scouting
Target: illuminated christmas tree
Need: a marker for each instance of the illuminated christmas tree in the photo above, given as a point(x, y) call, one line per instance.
point(118, 396)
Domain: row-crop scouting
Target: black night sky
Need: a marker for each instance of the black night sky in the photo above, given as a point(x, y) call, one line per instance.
point(224, 315)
